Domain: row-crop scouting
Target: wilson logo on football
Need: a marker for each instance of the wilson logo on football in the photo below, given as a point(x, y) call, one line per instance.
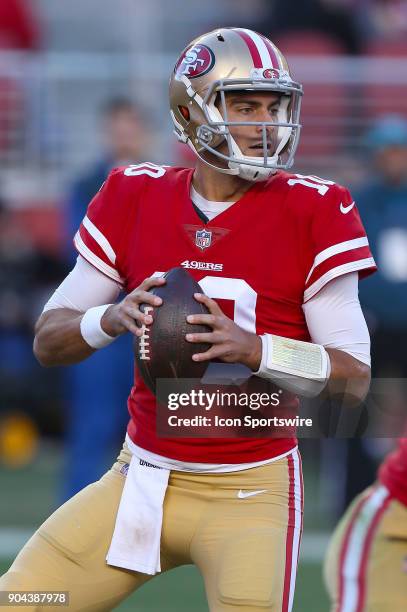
point(144, 342)
point(195, 62)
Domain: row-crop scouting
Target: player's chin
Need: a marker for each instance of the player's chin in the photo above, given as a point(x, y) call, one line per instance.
point(258, 152)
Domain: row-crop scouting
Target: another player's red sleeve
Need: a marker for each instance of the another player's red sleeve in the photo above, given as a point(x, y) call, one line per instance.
point(101, 236)
point(339, 241)
point(393, 472)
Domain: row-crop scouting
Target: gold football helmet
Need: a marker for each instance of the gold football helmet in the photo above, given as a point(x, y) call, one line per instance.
point(230, 59)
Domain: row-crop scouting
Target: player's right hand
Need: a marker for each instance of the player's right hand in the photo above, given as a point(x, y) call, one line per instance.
point(126, 315)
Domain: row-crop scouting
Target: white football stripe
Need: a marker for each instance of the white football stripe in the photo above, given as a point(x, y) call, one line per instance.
point(100, 239)
point(352, 266)
point(278, 56)
point(355, 548)
point(95, 260)
point(297, 528)
point(335, 249)
point(261, 47)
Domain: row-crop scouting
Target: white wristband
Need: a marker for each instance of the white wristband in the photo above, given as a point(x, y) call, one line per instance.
point(300, 367)
point(91, 329)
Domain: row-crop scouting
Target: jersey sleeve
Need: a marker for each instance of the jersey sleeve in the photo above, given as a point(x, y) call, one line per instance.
point(101, 235)
point(393, 471)
point(338, 241)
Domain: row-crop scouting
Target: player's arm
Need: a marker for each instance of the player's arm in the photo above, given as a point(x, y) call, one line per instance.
point(337, 361)
point(80, 318)
point(58, 339)
point(335, 320)
point(348, 379)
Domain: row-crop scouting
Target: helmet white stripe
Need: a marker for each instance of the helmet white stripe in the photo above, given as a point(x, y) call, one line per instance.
point(276, 53)
point(266, 57)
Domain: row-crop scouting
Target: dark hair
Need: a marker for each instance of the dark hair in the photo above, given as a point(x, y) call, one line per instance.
point(118, 105)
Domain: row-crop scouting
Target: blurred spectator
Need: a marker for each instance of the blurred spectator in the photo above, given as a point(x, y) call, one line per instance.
point(98, 387)
point(125, 142)
point(19, 28)
point(334, 18)
point(379, 20)
point(389, 18)
point(382, 202)
point(26, 275)
point(19, 31)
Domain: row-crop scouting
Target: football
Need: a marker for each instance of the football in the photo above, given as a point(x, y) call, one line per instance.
point(162, 351)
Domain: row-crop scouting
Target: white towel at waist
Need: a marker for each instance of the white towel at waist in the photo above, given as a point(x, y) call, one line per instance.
point(136, 538)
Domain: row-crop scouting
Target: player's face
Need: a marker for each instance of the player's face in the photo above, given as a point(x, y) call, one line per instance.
point(125, 136)
point(392, 163)
point(253, 106)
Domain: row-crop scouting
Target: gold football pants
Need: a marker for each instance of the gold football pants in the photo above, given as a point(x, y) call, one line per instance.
point(246, 547)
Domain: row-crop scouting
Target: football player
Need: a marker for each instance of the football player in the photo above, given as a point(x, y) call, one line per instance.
point(366, 563)
point(286, 250)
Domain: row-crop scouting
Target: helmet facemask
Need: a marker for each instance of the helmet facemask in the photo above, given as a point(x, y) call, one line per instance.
point(217, 130)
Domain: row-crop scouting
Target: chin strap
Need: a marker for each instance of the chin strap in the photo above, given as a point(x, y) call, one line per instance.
point(230, 171)
point(246, 170)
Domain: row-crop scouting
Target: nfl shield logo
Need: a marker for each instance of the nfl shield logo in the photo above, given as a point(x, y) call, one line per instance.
point(203, 239)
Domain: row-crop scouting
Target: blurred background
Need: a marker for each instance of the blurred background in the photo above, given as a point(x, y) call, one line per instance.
point(83, 88)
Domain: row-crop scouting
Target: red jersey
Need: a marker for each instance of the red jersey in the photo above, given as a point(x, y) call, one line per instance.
point(267, 254)
point(393, 472)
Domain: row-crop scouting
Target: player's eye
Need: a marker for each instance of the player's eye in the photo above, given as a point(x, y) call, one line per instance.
point(245, 110)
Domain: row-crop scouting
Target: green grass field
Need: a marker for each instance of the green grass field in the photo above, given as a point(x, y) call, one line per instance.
point(31, 495)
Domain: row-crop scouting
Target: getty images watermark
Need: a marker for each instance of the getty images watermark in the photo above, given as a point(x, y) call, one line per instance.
point(208, 401)
point(256, 408)
point(191, 409)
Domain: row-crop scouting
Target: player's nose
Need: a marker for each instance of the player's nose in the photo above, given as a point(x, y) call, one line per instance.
point(262, 126)
point(264, 114)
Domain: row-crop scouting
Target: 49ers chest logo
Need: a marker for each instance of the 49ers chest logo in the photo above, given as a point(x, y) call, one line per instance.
point(195, 62)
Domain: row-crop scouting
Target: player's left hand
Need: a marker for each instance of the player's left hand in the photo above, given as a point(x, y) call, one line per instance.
point(230, 343)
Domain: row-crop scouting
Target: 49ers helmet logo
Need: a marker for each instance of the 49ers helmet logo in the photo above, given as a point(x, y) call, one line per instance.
point(195, 61)
point(271, 73)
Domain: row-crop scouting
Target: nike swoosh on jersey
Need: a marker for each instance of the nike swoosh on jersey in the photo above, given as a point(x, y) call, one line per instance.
point(346, 209)
point(244, 494)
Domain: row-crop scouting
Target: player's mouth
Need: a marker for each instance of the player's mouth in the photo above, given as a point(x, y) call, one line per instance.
point(258, 148)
